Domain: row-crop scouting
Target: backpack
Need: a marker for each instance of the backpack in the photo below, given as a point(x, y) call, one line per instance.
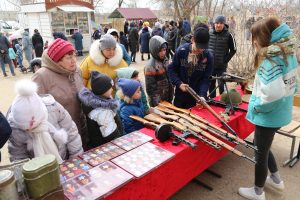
point(5, 130)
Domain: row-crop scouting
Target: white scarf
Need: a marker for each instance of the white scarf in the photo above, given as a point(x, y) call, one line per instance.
point(42, 141)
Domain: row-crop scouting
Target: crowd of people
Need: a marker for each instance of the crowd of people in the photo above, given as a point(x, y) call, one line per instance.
point(65, 110)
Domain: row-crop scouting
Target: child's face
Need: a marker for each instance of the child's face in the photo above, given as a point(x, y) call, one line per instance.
point(108, 93)
point(36, 67)
point(162, 53)
point(136, 78)
point(137, 94)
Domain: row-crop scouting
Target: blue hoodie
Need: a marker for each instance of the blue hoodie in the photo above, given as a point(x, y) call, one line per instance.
point(275, 83)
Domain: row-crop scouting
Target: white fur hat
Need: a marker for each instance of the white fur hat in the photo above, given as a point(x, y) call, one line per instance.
point(27, 110)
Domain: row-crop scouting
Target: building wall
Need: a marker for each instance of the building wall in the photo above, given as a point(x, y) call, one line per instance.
point(9, 15)
point(41, 20)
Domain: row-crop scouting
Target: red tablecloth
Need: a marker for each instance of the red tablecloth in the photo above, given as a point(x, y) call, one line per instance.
point(168, 178)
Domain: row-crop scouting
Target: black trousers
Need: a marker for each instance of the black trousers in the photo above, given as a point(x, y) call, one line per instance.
point(133, 54)
point(263, 138)
point(183, 99)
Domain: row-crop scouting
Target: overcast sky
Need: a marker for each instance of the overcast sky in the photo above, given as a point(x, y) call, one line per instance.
point(108, 5)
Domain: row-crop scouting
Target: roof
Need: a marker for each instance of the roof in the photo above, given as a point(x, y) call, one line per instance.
point(133, 13)
point(74, 8)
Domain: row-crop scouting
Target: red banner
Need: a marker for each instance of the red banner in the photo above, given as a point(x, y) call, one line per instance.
point(53, 3)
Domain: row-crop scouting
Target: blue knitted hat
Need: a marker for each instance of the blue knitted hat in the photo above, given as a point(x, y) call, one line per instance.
point(128, 86)
point(220, 19)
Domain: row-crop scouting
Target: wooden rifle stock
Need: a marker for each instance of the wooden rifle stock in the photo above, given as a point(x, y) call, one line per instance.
point(143, 121)
point(153, 125)
point(219, 142)
point(202, 123)
point(185, 111)
point(156, 118)
point(194, 122)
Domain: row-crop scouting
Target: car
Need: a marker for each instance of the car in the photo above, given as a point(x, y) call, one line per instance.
point(14, 24)
point(5, 27)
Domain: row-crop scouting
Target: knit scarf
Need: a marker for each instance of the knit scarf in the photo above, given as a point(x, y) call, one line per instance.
point(42, 141)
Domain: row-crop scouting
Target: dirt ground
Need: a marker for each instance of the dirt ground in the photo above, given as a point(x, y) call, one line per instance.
point(235, 172)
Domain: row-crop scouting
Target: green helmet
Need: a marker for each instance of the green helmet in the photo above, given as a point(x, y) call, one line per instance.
point(234, 95)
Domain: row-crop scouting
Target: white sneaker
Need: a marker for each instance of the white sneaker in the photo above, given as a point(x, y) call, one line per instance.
point(277, 186)
point(249, 193)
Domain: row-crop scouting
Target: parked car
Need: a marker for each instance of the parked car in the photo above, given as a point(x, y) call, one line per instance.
point(5, 27)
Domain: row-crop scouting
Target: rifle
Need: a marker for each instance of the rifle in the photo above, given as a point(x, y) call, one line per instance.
point(223, 134)
point(163, 135)
point(205, 105)
point(224, 105)
point(189, 113)
point(169, 108)
point(155, 118)
point(202, 132)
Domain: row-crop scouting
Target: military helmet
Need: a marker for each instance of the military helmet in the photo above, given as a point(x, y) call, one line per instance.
point(235, 96)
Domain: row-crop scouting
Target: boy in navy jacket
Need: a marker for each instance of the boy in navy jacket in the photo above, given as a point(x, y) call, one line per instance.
point(192, 66)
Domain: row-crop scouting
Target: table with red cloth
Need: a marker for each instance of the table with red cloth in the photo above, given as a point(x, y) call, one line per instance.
point(164, 181)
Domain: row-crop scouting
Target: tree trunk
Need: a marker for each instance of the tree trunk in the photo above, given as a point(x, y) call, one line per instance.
point(223, 4)
point(213, 14)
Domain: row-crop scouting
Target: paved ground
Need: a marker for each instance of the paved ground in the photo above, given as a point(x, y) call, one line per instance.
point(235, 172)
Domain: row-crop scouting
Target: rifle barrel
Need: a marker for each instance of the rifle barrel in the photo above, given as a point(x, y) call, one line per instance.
point(199, 100)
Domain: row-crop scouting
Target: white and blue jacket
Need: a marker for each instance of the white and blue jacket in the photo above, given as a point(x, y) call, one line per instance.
point(275, 83)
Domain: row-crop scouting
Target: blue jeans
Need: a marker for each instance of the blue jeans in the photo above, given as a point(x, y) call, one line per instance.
point(10, 66)
point(20, 61)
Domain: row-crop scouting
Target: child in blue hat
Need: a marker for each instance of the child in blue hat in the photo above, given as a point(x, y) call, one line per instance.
point(130, 104)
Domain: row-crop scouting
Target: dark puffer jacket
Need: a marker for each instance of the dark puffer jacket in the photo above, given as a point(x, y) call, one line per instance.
point(222, 46)
point(90, 102)
point(133, 38)
point(144, 40)
point(158, 86)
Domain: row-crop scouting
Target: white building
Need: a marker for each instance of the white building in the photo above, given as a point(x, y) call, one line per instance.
point(58, 15)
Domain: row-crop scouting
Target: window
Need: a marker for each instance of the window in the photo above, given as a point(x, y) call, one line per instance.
point(68, 22)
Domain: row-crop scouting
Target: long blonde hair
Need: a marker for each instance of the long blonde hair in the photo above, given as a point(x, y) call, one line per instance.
point(262, 34)
point(125, 98)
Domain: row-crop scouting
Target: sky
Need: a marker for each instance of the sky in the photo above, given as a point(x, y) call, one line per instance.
point(108, 5)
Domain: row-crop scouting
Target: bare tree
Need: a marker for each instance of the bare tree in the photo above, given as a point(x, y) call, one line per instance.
point(97, 3)
point(182, 8)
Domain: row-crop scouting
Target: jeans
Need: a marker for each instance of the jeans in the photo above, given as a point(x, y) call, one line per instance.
point(20, 61)
point(10, 67)
point(212, 91)
point(263, 138)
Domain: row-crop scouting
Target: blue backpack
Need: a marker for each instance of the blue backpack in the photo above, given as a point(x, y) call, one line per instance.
point(186, 26)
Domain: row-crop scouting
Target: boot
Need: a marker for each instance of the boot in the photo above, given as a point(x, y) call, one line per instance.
point(249, 193)
point(5, 75)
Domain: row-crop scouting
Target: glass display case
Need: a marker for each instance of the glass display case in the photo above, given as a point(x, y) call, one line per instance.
point(68, 22)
